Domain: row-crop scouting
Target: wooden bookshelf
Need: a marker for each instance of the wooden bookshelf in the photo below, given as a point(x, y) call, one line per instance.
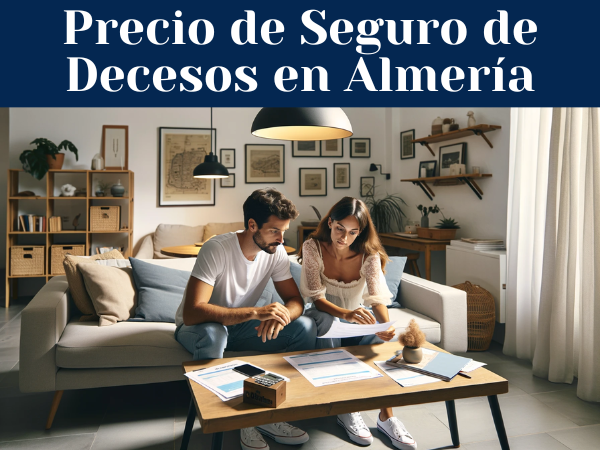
point(476, 130)
point(450, 180)
point(52, 201)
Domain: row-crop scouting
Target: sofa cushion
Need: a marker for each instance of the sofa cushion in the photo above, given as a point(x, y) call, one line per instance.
point(79, 293)
point(210, 229)
point(159, 289)
point(125, 344)
point(296, 270)
point(402, 317)
point(393, 275)
point(167, 235)
point(112, 292)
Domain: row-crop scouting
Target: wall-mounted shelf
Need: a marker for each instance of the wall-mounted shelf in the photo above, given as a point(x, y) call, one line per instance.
point(449, 180)
point(477, 130)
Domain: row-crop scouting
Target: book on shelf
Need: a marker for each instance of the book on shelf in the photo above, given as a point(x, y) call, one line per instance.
point(31, 223)
point(482, 246)
point(440, 365)
point(483, 241)
point(55, 224)
point(407, 235)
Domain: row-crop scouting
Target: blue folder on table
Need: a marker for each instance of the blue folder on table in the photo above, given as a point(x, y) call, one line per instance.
point(435, 364)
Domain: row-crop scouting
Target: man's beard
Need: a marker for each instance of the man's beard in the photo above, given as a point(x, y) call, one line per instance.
point(262, 244)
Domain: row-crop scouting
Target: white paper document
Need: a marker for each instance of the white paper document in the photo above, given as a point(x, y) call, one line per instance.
point(472, 366)
point(345, 330)
point(331, 367)
point(405, 377)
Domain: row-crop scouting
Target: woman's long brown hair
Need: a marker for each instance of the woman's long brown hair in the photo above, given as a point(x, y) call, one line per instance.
point(366, 242)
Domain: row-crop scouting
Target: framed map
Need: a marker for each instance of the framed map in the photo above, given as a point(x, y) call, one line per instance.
point(265, 163)
point(180, 151)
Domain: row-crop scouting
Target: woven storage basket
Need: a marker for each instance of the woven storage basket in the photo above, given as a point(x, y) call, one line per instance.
point(105, 218)
point(481, 316)
point(27, 260)
point(57, 255)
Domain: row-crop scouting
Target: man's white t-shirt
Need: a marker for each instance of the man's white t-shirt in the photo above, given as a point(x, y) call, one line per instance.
point(237, 282)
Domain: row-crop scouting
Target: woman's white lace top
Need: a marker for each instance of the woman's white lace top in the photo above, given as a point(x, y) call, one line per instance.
point(369, 289)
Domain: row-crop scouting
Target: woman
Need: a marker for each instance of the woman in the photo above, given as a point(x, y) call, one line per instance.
point(342, 267)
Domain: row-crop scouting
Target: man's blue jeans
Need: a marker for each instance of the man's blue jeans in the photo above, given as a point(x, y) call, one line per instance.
point(209, 340)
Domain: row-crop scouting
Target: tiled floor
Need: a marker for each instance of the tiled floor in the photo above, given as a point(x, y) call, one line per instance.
point(537, 414)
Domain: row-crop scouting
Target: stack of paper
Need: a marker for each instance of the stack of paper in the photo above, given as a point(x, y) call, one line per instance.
point(331, 367)
point(479, 244)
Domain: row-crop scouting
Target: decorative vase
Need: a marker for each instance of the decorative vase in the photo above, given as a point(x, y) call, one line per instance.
point(425, 222)
point(56, 164)
point(99, 193)
point(436, 126)
point(117, 190)
point(97, 162)
point(412, 355)
point(471, 122)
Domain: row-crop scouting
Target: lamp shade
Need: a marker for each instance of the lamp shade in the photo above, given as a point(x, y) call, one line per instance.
point(372, 168)
point(301, 124)
point(211, 168)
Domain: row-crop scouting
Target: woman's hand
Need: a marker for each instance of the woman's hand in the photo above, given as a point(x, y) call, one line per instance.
point(386, 335)
point(360, 316)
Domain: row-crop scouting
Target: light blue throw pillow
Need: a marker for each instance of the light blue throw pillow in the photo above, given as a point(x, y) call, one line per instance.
point(393, 275)
point(296, 270)
point(160, 291)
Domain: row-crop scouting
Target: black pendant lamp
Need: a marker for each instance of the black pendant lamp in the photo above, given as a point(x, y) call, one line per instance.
point(211, 167)
point(301, 124)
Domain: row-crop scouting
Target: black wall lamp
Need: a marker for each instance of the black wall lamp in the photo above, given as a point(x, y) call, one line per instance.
point(210, 167)
point(373, 168)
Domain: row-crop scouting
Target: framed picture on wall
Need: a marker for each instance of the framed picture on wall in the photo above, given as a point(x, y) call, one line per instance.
point(341, 175)
point(115, 147)
point(227, 157)
point(180, 151)
point(333, 148)
point(313, 182)
point(452, 154)
point(407, 146)
point(427, 169)
point(265, 163)
point(228, 182)
point(360, 147)
point(367, 186)
point(305, 149)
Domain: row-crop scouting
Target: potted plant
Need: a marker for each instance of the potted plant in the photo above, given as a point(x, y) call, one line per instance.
point(425, 211)
point(45, 156)
point(412, 339)
point(386, 212)
point(101, 188)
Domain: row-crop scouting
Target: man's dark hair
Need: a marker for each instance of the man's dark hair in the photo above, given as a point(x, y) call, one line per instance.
point(264, 203)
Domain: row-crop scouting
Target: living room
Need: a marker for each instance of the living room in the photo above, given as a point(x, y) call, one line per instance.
point(538, 412)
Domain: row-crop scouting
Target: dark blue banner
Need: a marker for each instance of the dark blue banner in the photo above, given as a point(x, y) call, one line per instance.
point(327, 53)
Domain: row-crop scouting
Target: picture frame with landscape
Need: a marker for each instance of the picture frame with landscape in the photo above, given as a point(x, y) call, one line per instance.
point(306, 149)
point(333, 148)
point(407, 146)
point(180, 151)
point(427, 169)
point(360, 147)
point(227, 157)
point(452, 154)
point(341, 175)
point(265, 163)
point(367, 186)
point(313, 182)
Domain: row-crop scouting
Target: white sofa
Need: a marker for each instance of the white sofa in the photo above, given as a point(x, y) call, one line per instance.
point(167, 235)
point(58, 352)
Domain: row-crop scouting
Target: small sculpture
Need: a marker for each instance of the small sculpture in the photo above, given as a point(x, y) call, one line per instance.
point(68, 190)
point(76, 221)
point(471, 122)
point(26, 194)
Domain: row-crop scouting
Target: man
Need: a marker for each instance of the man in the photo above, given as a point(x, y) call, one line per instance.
point(218, 310)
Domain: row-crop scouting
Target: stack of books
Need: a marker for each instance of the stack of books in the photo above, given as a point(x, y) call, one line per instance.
point(31, 223)
point(55, 223)
point(479, 244)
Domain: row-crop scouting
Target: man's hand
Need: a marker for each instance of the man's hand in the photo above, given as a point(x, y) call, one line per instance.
point(269, 329)
point(360, 316)
point(274, 311)
point(386, 335)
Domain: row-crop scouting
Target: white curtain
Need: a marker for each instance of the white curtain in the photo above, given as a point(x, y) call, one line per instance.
point(553, 278)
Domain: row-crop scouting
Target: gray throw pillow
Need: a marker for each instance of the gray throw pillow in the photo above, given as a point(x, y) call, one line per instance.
point(159, 289)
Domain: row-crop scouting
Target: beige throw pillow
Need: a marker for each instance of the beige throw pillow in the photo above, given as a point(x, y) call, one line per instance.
point(210, 229)
point(82, 300)
point(172, 235)
point(112, 292)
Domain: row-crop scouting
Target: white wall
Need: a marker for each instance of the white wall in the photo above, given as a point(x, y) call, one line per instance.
point(83, 126)
point(484, 218)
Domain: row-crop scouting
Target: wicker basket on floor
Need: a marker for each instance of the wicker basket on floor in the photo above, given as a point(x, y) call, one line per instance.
point(481, 316)
point(27, 259)
point(57, 255)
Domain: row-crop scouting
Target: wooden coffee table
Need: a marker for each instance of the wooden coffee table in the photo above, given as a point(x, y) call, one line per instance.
point(304, 401)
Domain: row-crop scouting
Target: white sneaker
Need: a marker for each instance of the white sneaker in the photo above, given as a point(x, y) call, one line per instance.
point(356, 428)
point(396, 431)
point(250, 439)
point(284, 433)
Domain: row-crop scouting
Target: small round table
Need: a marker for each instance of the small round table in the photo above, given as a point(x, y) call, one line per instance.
point(191, 251)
